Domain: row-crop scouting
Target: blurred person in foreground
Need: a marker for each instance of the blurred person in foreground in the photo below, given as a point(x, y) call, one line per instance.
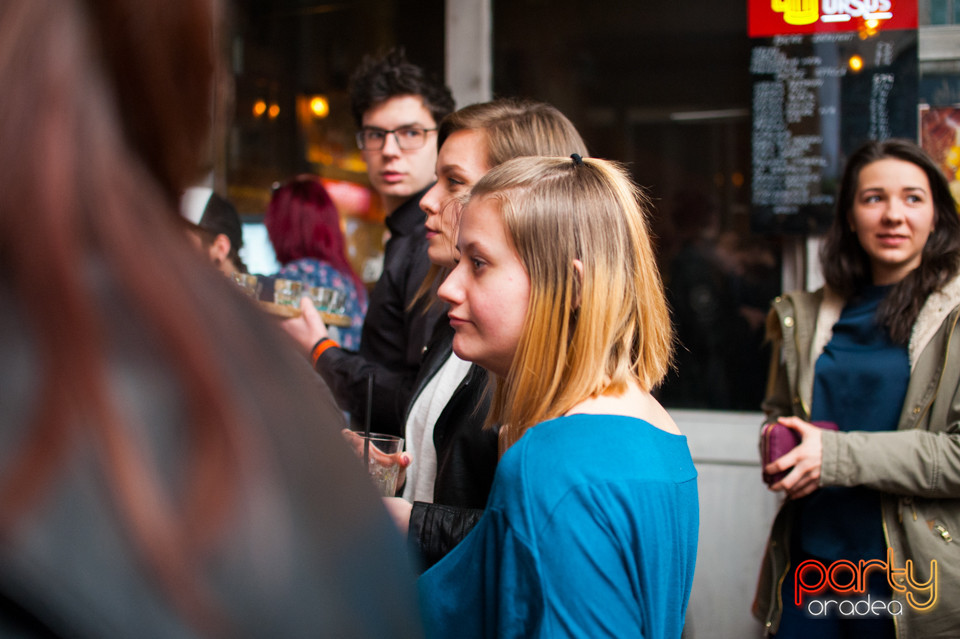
point(215, 227)
point(397, 108)
point(304, 228)
point(163, 473)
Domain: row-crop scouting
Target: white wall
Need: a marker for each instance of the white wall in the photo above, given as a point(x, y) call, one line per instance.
point(736, 511)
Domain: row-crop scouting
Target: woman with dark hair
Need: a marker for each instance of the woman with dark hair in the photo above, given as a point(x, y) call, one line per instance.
point(872, 353)
point(159, 470)
point(304, 229)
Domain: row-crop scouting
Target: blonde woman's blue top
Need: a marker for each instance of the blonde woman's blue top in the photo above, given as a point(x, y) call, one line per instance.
point(590, 531)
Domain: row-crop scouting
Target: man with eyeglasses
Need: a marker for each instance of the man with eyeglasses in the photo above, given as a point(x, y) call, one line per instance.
point(397, 109)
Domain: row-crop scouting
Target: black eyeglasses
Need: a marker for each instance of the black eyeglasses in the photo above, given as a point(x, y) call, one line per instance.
point(409, 138)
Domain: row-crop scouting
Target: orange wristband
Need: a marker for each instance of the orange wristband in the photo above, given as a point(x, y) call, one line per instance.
point(320, 348)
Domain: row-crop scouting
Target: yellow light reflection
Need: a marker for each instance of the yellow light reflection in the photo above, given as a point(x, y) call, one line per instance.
point(868, 29)
point(856, 63)
point(319, 106)
point(274, 111)
point(354, 162)
point(259, 108)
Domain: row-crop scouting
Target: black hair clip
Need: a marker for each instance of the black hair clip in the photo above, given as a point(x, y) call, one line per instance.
point(577, 160)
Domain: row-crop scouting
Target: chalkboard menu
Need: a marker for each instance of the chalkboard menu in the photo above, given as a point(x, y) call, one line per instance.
point(816, 97)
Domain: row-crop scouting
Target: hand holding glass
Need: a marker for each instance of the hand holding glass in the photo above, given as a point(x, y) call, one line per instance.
point(383, 458)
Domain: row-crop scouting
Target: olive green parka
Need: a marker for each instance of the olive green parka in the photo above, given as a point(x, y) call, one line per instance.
point(916, 467)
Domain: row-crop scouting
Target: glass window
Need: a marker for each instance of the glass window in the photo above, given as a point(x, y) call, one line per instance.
point(665, 87)
point(938, 12)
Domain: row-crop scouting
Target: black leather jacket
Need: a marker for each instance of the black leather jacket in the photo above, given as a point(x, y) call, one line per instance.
point(466, 457)
point(394, 334)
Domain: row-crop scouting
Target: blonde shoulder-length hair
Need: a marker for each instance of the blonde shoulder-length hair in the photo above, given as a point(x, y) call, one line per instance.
point(513, 128)
point(597, 316)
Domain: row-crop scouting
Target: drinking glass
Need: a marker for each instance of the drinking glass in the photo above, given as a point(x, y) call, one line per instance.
point(287, 292)
point(381, 460)
point(250, 284)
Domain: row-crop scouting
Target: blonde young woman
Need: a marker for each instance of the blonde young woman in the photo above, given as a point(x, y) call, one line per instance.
point(591, 525)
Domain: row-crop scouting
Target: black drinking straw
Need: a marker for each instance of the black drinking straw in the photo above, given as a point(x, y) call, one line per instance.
point(366, 422)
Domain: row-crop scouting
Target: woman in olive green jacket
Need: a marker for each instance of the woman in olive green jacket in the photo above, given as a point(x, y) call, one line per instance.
point(911, 244)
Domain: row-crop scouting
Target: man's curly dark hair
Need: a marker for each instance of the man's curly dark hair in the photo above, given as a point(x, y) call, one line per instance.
point(380, 78)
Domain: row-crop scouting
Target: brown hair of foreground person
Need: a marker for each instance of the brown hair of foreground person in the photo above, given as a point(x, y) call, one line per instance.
point(74, 180)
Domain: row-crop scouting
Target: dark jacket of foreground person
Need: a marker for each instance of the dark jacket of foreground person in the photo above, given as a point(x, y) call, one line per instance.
point(303, 543)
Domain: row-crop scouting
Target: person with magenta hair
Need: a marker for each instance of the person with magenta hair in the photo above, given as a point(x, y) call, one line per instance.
point(304, 228)
point(869, 381)
point(591, 525)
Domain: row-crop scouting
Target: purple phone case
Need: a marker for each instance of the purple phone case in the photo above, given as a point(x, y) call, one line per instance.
point(776, 440)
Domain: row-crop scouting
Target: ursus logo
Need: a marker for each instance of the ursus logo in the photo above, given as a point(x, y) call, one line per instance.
point(767, 18)
point(798, 12)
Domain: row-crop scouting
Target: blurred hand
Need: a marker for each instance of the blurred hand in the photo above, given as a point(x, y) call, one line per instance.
point(308, 329)
point(805, 460)
point(399, 509)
